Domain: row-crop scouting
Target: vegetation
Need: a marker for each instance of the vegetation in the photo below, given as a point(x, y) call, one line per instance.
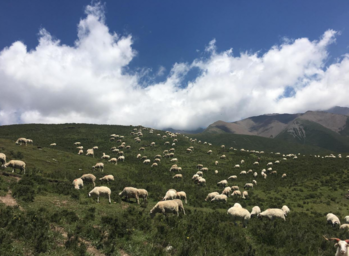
point(55, 219)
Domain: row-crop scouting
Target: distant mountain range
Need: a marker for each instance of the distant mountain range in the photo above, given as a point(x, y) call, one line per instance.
point(326, 129)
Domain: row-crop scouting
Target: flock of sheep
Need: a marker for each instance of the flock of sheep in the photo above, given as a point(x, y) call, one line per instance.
point(172, 201)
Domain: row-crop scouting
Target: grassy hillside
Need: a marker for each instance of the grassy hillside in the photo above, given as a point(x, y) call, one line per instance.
point(319, 136)
point(51, 207)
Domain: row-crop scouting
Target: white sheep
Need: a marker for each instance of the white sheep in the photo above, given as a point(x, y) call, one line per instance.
point(78, 183)
point(15, 164)
point(146, 161)
point(90, 152)
point(264, 175)
point(19, 141)
point(236, 193)
point(201, 181)
point(270, 164)
point(222, 183)
point(243, 173)
point(174, 160)
point(204, 169)
point(254, 182)
point(95, 147)
point(105, 156)
point(237, 166)
point(216, 163)
point(80, 152)
point(255, 211)
point(273, 213)
point(344, 226)
point(2, 158)
point(171, 206)
point(178, 176)
point(142, 193)
point(211, 195)
point(77, 143)
point(233, 177)
point(283, 175)
point(99, 191)
point(80, 147)
point(242, 161)
point(342, 246)
point(53, 144)
point(209, 152)
point(248, 185)
point(346, 219)
point(332, 219)
point(121, 158)
point(107, 178)
point(182, 195)
point(170, 194)
point(113, 160)
point(199, 166)
point(154, 165)
point(226, 191)
point(223, 157)
point(220, 198)
point(237, 205)
point(238, 213)
point(99, 166)
point(130, 192)
point(200, 173)
point(89, 177)
point(235, 187)
point(256, 163)
point(255, 174)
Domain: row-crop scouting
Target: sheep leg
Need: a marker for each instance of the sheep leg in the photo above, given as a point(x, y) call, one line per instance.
point(137, 198)
point(109, 198)
point(13, 170)
point(94, 184)
point(98, 199)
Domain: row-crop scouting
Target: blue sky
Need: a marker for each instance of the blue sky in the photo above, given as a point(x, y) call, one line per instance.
point(164, 33)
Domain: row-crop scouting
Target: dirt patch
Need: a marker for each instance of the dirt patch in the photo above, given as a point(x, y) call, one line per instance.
point(10, 201)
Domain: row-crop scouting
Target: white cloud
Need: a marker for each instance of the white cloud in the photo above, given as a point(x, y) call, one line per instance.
point(88, 82)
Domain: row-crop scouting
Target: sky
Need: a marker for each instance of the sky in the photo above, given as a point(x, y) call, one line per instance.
point(162, 64)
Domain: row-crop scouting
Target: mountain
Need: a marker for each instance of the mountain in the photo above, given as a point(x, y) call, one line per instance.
point(324, 129)
point(339, 110)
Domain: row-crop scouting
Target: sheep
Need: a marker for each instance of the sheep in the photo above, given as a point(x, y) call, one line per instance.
point(19, 141)
point(346, 219)
point(174, 160)
point(2, 158)
point(154, 165)
point(211, 195)
point(80, 152)
point(222, 157)
point(113, 160)
point(236, 193)
point(237, 166)
point(235, 187)
point(238, 213)
point(274, 172)
point(332, 219)
point(15, 164)
point(77, 143)
point(107, 178)
point(121, 158)
point(53, 144)
point(220, 198)
point(174, 168)
point(200, 173)
point(248, 185)
point(116, 150)
point(195, 177)
point(89, 177)
point(171, 206)
point(342, 246)
point(157, 160)
point(242, 161)
point(178, 176)
point(105, 156)
point(204, 169)
point(226, 191)
point(209, 152)
point(216, 163)
point(249, 171)
point(256, 163)
point(182, 195)
point(264, 175)
point(270, 169)
point(270, 164)
point(285, 209)
point(344, 226)
point(99, 166)
point(130, 192)
point(233, 177)
point(283, 176)
point(80, 147)
point(90, 152)
point(100, 190)
point(216, 171)
point(277, 162)
point(95, 147)
point(255, 211)
point(78, 183)
point(244, 195)
point(30, 141)
point(142, 193)
point(146, 161)
point(254, 182)
point(201, 181)
point(243, 173)
point(222, 183)
point(170, 194)
point(273, 213)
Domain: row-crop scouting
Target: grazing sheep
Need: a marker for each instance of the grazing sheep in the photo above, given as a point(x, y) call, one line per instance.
point(255, 211)
point(332, 219)
point(80, 152)
point(242, 161)
point(107, 178)
point(95, 147)
point(270, 164)
point(53, 144)
point(344, 226)
point(256, 163)
point(90, 152)
point(346, 219)
point(233, 177)
point(211, 195)
point(243, 172)
point(244, 195)
point(216, 163)
point(236, 193)
point(283, 175)
point(277, 161)
point(201, 181)
point(342, 246)
point(273, 213)
point(182, 195)
point(199, 166)
point(99, 166)
point(285, 209)
point(200, 173)
point(142, 193)
point(80, 147)
point(209, 152)
point(130, 192)
point(170, 194)
point(220, 198)
point(77, 143)
point(178, 176)
point(273, 172)
point(89, 177)
point(100, 190)
point(264, 175)
point(78, 183)
point(248, 185)
point(121, 158)
point(113, 160)
point(216, 171)
point(255, 174)
point(164, 207)
point(15, 164)
point(237, 166)
point(195, 177)
point(154, 165)
point(2, 158)
point(254, 182)
point(21, 140)
point(222, 157)
point(146, 161)
point(174, 160)
point(226, 191)
point(174, 168)
point(204, 169)
point(222, 183)
point(249, 171)
point(235, 187)
point(238, 213)
point(157, 160)
point(105, 156)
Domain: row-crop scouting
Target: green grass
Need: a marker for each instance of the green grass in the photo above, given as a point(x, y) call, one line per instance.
point(313, 187)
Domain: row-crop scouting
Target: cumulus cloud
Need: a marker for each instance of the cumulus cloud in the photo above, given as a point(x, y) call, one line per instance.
point(91, 81)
